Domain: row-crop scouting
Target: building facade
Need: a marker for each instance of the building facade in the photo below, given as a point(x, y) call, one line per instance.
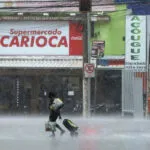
point(44, 53)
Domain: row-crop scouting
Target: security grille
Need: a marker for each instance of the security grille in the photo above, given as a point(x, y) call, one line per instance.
point(133, 93)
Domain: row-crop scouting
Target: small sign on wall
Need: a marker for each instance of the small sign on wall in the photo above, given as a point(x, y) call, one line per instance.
point(70, 93)
point(89, 70)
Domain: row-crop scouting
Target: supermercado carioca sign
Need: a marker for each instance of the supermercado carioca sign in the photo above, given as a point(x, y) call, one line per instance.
point(135, 58)
point(40, 38)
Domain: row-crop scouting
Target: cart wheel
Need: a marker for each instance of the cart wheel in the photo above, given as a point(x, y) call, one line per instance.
point(74, 134)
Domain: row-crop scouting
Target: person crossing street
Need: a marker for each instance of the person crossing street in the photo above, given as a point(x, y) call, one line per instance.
point(55, 105)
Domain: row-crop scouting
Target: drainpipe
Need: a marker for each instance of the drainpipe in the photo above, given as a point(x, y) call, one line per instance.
point(147, 65)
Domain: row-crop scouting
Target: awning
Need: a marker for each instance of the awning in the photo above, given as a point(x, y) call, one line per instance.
point(62, 62)
point(41, 61)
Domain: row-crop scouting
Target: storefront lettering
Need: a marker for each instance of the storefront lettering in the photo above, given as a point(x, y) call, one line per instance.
point(135, 38)
point(35, 32)
point(31, 41)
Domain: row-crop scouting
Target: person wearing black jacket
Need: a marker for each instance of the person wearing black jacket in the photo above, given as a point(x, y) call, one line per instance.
point(54, 114)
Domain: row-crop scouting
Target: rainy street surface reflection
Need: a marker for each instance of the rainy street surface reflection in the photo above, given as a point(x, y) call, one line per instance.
point(100, 133)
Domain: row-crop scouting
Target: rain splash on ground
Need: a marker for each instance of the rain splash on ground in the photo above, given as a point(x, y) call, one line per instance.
point(96, 133)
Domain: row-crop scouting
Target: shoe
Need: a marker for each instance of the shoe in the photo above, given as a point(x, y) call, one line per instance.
point(62, 132)
point(53, 135)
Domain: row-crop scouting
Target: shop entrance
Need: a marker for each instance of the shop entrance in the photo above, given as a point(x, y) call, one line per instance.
point(26, 91)
point(108, 92)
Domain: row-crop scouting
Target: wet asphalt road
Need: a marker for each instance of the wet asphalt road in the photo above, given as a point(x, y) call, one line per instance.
point(100, 133)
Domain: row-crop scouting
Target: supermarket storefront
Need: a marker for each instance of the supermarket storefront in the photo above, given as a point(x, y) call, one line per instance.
point(37, 57)
point(41, 56)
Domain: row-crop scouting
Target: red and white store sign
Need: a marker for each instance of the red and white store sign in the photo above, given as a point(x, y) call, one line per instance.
point(40, 38)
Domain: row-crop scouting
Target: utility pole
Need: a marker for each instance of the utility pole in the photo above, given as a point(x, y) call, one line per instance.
point(85, 8)
point(95, 88)
point(86, 59)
